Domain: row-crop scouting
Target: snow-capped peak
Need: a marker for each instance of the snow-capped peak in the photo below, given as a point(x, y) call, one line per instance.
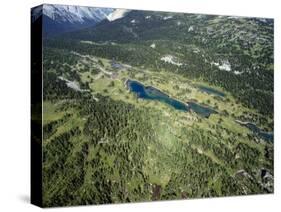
point(75, 14)
point(117, 14)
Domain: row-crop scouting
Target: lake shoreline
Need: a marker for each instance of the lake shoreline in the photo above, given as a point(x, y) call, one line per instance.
point(267, 136)
point(153, 93)
point(150, 86)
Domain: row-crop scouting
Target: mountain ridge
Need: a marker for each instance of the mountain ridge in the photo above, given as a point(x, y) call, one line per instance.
point(64, 18)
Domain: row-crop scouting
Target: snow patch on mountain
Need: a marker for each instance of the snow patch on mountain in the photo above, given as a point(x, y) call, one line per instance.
point(72, 84)
point(171, 59)
point(168, 17)
point(191, 28)
point(224, 65)
point(117, 14)
point(238, 72)
point(153, 45)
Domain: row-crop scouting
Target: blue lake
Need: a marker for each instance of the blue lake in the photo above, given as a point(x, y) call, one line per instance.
point(267, 136)
point(209, 90)
point(151, 93)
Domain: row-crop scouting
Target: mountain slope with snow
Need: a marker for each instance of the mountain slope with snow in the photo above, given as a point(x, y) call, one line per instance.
point(75, 14)
point(117, 14)
point(63, 18)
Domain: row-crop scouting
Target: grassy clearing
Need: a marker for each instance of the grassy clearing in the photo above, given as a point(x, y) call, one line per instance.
point(50, 112)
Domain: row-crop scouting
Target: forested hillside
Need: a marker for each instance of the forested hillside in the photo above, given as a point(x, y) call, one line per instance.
point(105, 144)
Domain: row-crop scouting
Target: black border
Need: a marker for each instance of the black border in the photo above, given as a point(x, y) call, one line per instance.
point(36, 110)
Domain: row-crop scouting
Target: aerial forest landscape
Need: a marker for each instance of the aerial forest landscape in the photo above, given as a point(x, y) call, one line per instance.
point(148, 105)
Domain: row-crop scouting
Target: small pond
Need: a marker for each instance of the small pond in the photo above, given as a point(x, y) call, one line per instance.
point(267, 136)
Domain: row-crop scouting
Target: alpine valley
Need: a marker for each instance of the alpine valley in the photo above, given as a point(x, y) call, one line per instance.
point(146, 105)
